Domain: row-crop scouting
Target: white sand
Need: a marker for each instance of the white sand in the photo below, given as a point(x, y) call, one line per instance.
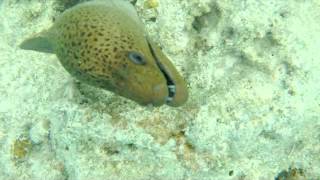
point(253, 68)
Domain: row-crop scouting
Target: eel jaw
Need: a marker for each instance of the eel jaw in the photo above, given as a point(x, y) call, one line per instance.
point(172, 93)
point(170, 82)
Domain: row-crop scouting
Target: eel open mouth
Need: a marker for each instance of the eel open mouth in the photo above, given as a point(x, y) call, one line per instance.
point(170, 82)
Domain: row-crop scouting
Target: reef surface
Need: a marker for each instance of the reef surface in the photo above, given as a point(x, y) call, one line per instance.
point(252, 69)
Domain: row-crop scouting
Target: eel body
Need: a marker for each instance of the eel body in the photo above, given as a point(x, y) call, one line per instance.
point(104, 44)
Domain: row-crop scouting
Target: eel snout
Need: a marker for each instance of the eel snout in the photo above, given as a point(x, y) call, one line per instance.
point(177, 88)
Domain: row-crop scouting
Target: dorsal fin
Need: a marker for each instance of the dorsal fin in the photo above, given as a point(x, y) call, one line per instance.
point(38, 42)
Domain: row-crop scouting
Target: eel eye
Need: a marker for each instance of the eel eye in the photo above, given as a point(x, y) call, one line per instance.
point(136, 58)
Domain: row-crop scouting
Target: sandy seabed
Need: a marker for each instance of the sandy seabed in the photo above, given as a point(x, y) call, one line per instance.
point(252, 68)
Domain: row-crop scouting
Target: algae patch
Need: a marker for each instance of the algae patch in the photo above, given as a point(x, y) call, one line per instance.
point(21, 148)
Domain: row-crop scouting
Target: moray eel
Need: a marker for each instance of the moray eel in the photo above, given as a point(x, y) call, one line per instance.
point(104, 44)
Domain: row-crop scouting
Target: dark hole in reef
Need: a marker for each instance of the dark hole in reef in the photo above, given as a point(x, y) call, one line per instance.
point(133, 2)
point(209, 19)
point(231, 173)
point(153, 19)
point(63, 5)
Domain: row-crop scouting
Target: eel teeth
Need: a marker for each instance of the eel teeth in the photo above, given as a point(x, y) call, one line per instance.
point(169, 99)
point(172, 88)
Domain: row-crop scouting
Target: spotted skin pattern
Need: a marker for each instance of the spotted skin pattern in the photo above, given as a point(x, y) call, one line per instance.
point(93, 42)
